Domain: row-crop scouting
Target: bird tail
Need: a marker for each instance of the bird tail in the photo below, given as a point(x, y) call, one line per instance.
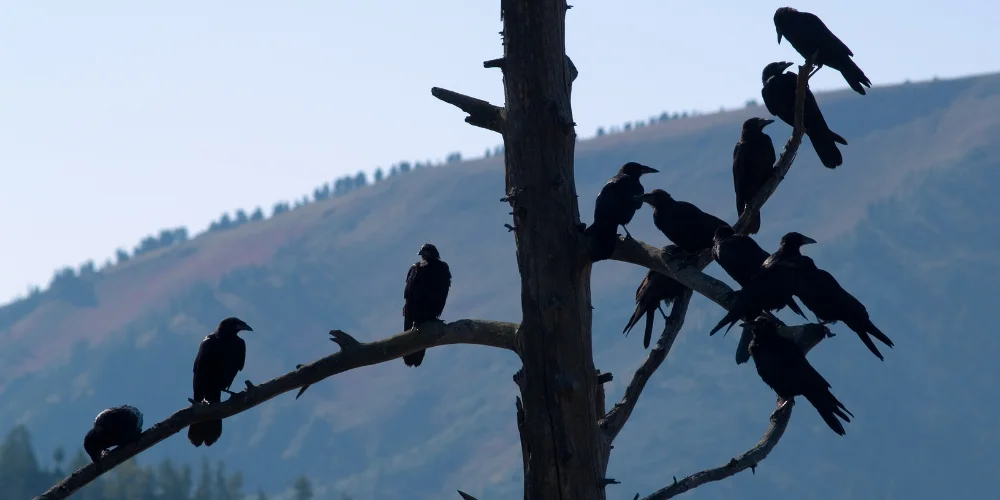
point(633, 319)
point(866, 331)
point(743, 348)
point(855, 77)
point(825, 144)
point(414, 359)
point(829, 408)
point(206, 432)
point(602, 240)
point(795, 308)
point(648, 333)
point(731, 318)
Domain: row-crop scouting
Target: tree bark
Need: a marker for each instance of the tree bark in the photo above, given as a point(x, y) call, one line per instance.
point(559, 386)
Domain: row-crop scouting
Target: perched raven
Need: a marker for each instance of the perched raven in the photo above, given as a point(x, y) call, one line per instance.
point(823, 295)
point(221, 356)
point(771, 288)
point(427, 284)
point(741, 257)
point(615, 206)
point(785, 369)
point(753, 163)
point(681, 222)
point(118, 426)
point(807, 34)
point(655, 288)
point(779, 98)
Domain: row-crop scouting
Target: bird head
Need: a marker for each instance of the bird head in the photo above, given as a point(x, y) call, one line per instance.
point(633, 169)
point(655, 198)
point(760, 325)
point(429, 252)
point(233, 325)
point(723, 232)
point(795, 240)
point(774, 69)
point(756, 124)
point(92, 444)
point(781, 17)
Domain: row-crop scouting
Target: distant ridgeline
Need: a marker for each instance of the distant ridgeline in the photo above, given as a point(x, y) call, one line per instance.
point(76, 286)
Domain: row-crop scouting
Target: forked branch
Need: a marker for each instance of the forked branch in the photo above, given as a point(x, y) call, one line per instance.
point(353, 355)
point(806, 336)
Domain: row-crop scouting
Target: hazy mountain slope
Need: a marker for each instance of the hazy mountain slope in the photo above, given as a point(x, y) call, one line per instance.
point(906, 224)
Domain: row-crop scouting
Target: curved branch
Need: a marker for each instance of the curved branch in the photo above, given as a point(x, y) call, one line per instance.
point(807, 337)
point(614, 420)
point(353, 354)
point(642, 254)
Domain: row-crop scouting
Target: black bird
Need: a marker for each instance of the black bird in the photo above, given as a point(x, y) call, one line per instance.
point(779, 98)
point(741, 257)
point(221, 356)
point(655, 288)
point(427, 284)
point(615, 206)
point(823, 295)
point(774, 285)
point(753, 163)
point(807, 34)
point(686, 225)
point(785, 369)
point(118, 426)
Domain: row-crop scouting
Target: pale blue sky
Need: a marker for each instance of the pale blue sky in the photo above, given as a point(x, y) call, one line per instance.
point(118, 118)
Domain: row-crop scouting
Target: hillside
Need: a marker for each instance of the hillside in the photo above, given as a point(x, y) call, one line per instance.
point(906, 224)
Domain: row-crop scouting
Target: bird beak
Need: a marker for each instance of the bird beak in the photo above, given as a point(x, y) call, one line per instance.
point(643, 197)
point(779, 38)
point(766, 123)
point(807, 240)
point(247, 327)
point(786, 65)
point(742, 325)
point(648, 170)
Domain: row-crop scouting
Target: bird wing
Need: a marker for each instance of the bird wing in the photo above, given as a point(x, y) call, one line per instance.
point(738, 176)
point(411, 276)
point(818, 30)
point(208, 353)
point(769, 153)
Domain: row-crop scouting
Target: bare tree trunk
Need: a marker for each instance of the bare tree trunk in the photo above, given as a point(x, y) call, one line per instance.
point(558, 385)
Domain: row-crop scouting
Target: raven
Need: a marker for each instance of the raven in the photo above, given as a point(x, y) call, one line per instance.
point(615, 206)
point(823, 295)
point(741, 257)
point(655, 288)
point(778, 92)
point(118, 426)
point(773, 286)
point(686, 225)
point(785, 369)
point(427, 284)
point(807, 33)
point(221, 356)
point(753, 163)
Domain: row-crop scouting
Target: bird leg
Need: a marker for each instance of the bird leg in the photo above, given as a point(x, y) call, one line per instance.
point(818, 66)
point(660, 308)
point(627, 235)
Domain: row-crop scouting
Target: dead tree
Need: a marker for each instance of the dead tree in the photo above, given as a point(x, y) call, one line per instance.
point(566, 434)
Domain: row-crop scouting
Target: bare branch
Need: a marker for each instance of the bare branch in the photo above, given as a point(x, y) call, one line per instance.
point(481, 113)
point(642, 254)
point(354, 355)
point(807, 337)
point(614, 421)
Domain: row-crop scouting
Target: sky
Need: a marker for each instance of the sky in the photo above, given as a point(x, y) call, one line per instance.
point(119, 118)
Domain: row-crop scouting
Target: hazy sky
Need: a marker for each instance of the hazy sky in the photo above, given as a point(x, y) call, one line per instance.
point(118, 118)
